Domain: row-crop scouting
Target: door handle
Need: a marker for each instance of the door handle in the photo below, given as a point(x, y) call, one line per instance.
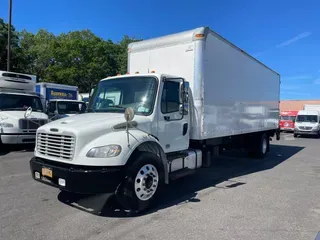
point(185, 129)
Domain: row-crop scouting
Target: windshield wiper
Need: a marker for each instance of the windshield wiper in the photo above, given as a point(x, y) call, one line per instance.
point(118, 106)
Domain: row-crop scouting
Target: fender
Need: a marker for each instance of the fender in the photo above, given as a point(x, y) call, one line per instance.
point(151, 144)
point(138, 141)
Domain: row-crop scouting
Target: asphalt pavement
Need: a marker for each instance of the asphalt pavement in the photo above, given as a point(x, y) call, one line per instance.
point(237, 198)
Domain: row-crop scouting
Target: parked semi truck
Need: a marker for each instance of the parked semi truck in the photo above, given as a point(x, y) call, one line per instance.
point(21, 111)
point(60, 100)
point(186, 96)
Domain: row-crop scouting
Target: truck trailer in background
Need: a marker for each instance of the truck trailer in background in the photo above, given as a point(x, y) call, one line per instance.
point(186, 96)
point(60, 100)
point(287, 120)
point(315, 107)
point(21, 111)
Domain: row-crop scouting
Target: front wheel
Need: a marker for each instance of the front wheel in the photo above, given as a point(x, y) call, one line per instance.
point(139, 188)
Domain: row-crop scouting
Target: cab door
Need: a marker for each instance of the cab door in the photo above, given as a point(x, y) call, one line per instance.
point(173, 128)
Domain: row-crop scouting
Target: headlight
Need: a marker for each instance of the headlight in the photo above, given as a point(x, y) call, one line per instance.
point(104, 151)
point(6, 125)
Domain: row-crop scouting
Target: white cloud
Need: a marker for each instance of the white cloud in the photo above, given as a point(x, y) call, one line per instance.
point(289, 87)
point(294, 93)
point(286, 43)
point(294, 39)
point(297, 77)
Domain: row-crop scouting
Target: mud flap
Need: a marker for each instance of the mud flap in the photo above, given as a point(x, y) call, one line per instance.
point(278, 134)
point(126, 197)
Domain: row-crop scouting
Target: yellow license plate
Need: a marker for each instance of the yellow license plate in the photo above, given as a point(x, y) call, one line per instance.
point(47, 172)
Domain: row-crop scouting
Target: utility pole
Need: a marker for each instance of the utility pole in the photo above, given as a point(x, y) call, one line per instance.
point(9, 36)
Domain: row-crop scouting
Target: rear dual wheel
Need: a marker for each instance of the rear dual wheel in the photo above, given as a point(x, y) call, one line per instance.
point(260, 146)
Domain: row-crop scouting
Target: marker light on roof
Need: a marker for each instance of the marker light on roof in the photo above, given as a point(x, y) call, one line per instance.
point(199, 35)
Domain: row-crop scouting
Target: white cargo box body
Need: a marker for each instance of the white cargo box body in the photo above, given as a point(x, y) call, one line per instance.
point(17, 81)
point(233, 92)
point(312, 107)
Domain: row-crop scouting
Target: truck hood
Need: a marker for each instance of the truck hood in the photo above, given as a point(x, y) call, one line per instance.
point(306, 124)
point(20, 114)
point(93, 124)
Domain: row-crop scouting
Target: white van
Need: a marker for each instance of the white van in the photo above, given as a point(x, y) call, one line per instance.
point(307, 123)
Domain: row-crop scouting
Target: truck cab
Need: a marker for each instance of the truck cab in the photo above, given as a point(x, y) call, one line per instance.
point(101, 144)
point(61, 108)
point(307, 123)
point(21, 110)
point(287, 120)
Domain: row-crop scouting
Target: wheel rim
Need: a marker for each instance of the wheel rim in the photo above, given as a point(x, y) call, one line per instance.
point(264, 145)
point(146, 182)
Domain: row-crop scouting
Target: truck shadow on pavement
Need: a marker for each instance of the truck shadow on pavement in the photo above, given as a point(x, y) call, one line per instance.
point(6, 149)
point(227, 166)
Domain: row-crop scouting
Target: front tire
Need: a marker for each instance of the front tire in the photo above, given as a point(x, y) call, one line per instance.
point(142, 181)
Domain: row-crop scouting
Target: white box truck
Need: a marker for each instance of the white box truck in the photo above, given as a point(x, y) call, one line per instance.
point(21, 111)
point(185, 95)
point(60, 100)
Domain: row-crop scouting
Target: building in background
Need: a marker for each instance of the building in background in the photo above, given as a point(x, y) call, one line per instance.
point(295, 105)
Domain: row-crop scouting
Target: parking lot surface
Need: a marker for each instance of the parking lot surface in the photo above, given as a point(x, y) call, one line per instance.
point(237, 198)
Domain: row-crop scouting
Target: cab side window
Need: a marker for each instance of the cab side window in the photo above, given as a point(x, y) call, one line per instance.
point(170, 97)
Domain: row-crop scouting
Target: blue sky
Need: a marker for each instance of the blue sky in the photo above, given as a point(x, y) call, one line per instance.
point(285, 35)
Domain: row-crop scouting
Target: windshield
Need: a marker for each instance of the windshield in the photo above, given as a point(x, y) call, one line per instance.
point(70, 107)
point(307, 118)
point(290, 118)
point(13, 102)
point(116, 95)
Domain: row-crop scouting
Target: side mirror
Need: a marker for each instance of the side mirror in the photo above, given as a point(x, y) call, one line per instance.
point(56, 112)
point(28, 112)
point(183, 109)
point(91, 92)
point(129, 114)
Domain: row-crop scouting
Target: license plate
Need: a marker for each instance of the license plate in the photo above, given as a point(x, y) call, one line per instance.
point(47, 172)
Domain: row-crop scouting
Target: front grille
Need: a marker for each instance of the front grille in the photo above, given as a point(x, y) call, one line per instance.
point(60, 146)
point(305, 128)
point(31, 124)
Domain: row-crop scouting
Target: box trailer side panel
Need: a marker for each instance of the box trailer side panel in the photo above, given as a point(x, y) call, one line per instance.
point(232, 92)
point(241, 95)
point(312, 107)
point(57, 91)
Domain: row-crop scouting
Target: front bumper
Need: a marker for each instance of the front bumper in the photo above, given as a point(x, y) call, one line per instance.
point(313, 133)
point(78, 179)
point(286, 129)
point(18, 138)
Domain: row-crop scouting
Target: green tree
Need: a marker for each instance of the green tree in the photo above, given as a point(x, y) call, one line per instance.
point(17, 63)
point(81, 58)
point(37, 51)
point(122, 52)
